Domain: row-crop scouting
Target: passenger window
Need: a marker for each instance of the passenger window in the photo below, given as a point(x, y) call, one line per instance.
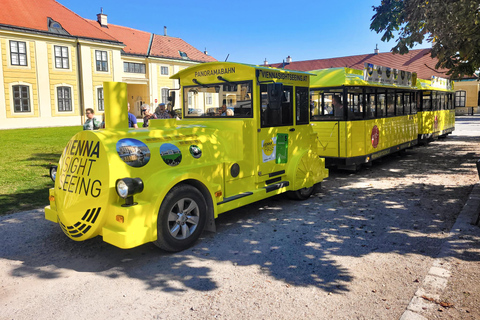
point(276, 111)
point(355, 104)
point(399, 106)
point(302, 105)
point(390, 104)
point(381, 105)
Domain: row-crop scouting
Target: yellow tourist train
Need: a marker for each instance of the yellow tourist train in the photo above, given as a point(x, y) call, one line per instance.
point(436, 111)
point(362, 115)
point(245, 136)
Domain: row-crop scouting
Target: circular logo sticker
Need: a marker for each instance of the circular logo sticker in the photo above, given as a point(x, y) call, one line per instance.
point(170, 154)
point(268, 147)
point(133, 152)
point(375, 136)
point(195, 151)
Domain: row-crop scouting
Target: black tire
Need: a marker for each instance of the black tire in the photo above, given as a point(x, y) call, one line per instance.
point(301, 194)
point(177, 228)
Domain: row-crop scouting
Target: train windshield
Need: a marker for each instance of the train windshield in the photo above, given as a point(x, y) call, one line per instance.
point(232, 99)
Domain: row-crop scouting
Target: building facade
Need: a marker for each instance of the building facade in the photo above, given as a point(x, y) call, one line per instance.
point(53, 64)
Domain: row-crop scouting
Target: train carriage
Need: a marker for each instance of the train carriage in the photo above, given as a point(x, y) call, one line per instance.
point(360, 116)
point(436, 111)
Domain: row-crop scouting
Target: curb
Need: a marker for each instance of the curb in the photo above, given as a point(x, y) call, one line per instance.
point(437, 278)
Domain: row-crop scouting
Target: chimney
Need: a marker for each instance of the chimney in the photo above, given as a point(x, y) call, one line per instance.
point(376, 49)
point(165, 31)
point(265, 63)
point(206, 52)
point(289, 59)
point(102, 18)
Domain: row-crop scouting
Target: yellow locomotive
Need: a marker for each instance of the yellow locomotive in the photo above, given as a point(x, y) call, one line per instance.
point(245, 136)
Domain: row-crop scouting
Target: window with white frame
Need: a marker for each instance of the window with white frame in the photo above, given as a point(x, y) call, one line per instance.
point(64, 99)
point(208, 99)
point(165, 95)
point(101, 59)
point(460, 97)
point(100, 99)
point(132, 67)
point(164, 70)
point(21, 98)
point(61, 57)
point(18, 53)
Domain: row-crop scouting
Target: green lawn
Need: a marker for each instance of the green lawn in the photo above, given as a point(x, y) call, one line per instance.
point(26, 157)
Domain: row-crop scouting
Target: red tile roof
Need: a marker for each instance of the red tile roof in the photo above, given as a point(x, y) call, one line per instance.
point(34, 14)
point(136, 41)
point(169, 47)
point(418, 61)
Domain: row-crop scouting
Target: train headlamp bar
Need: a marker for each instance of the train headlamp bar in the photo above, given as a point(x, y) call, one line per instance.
point(53, 173)
point(127, 187)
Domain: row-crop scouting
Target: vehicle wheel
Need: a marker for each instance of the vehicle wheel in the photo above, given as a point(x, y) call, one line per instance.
point(181, 218)
point(301, 194)
point(306, 173)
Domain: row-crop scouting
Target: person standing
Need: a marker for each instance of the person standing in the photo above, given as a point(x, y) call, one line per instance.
point(132, 120)
point(161, 113)
point(147, 115)
point(91, 123)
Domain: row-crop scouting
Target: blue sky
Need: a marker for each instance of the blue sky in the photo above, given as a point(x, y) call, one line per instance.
point(251, 31)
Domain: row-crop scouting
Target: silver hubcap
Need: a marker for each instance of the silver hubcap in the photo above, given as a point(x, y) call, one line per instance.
point(183, 218)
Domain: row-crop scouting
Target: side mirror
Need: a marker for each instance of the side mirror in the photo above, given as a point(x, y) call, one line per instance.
point(171, 98)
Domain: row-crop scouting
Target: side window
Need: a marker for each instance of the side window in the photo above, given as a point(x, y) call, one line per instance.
point(164, 70)
point(390, 103)
point(399, 104)
point(101, 60)
point(64, 99)
point(277, 105)
point(61, 57)
point(21, 98)
point(18, 53)
point(381, 104)
point(164, 95)
point(302, 105)
point(460, 97)
point(100, 99)
point(355, 104)
point(427, 101)
point(370, 104)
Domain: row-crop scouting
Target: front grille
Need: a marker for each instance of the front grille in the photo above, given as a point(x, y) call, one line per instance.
point(83, 226)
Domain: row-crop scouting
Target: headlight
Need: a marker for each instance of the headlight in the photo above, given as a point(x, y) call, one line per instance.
point(53, 173)
point(128, 187)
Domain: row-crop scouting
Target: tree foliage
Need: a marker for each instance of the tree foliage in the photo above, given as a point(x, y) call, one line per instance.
point(452, 26)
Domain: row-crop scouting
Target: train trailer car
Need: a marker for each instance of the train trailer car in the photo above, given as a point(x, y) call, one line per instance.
point(249, 138)
point(436, 111)
point(360, 116)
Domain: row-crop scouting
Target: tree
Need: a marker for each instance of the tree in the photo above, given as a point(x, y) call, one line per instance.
point(452, 26)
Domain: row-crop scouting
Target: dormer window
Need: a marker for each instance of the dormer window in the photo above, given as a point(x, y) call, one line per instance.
point(55, 27)
point(183, 55)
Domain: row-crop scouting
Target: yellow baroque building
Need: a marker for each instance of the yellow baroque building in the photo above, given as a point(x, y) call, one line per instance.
point(53, 64)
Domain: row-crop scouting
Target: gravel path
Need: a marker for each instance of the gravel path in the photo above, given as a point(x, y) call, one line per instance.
point(359, 249)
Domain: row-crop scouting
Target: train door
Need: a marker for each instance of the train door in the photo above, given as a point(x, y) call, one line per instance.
point(276, 129)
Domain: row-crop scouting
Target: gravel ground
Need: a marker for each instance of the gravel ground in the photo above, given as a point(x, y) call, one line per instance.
point(364, 247)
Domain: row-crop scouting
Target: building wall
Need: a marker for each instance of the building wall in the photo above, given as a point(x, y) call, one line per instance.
point(43, 79)
point(471, 87)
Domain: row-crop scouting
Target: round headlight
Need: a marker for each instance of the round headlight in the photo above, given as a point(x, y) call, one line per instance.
point(53, 173)
point(122, 189)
